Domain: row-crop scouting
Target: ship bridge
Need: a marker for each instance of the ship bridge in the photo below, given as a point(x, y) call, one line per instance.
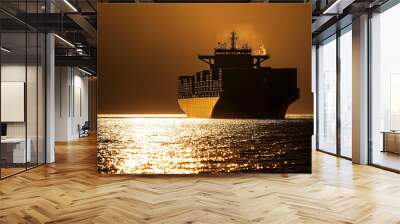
point(232, 56)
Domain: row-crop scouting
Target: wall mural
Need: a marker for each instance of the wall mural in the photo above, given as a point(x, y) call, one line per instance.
point(204, 88)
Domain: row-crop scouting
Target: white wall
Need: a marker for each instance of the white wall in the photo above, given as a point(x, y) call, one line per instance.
point(16, 73)
point(33, 126)
point(80, 105)
point(10, 73)
point(62, 82)
point(71, 102)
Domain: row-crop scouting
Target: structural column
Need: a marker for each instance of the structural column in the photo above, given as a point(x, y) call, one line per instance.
point(92, 87)
point(360, 90)
point(50, 98)
point(314, 91)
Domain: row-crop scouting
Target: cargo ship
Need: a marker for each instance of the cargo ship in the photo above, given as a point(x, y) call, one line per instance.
point(237, 86)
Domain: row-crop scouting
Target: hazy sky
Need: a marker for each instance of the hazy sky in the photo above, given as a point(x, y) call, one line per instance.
point(143, 48)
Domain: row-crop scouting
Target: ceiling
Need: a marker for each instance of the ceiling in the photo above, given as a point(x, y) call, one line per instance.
point(76, 22)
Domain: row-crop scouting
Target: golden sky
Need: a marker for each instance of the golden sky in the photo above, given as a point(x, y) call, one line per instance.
point(143, 48)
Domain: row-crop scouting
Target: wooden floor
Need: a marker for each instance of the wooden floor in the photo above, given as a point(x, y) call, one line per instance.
point(70, 191)
point(5, 172)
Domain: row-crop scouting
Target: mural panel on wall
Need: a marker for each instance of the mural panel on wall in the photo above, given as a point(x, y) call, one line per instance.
point(204, 88)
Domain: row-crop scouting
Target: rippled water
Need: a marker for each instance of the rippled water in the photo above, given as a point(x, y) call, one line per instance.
point(162, 145)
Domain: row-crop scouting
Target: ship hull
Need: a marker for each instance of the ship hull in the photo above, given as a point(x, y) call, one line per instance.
point(225, 107)
point(201, 107)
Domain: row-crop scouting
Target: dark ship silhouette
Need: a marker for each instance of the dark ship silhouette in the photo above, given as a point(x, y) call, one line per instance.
point(237, 86)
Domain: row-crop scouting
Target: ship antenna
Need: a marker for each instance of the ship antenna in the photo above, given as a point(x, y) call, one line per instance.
point(233, 40)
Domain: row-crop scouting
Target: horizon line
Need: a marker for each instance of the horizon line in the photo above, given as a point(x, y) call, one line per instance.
point(180, 115)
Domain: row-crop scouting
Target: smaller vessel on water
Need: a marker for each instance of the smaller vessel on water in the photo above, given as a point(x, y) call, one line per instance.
point(237, 86)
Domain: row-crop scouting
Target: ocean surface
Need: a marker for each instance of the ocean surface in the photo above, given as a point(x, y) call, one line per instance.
point(180, 145)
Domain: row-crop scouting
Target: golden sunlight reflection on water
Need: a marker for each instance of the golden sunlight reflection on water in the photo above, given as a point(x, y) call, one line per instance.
point(180, 145)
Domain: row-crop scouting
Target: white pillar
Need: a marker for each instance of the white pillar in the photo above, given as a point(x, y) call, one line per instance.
point(50, 99)
point(360, 90)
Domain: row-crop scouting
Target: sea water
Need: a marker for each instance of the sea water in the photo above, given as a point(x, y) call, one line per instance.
point(180, 145)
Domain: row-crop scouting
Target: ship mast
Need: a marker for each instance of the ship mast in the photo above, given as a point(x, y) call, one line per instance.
point(233, 40)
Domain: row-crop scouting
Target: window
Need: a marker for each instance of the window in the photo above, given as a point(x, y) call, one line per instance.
point(346, 92)
point(326, 99)
point(385, 89)
point(22, 77)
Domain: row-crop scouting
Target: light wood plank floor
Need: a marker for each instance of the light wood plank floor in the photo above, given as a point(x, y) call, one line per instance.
point(70, 191)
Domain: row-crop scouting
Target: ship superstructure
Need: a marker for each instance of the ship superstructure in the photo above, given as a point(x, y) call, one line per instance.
point(237, 86)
